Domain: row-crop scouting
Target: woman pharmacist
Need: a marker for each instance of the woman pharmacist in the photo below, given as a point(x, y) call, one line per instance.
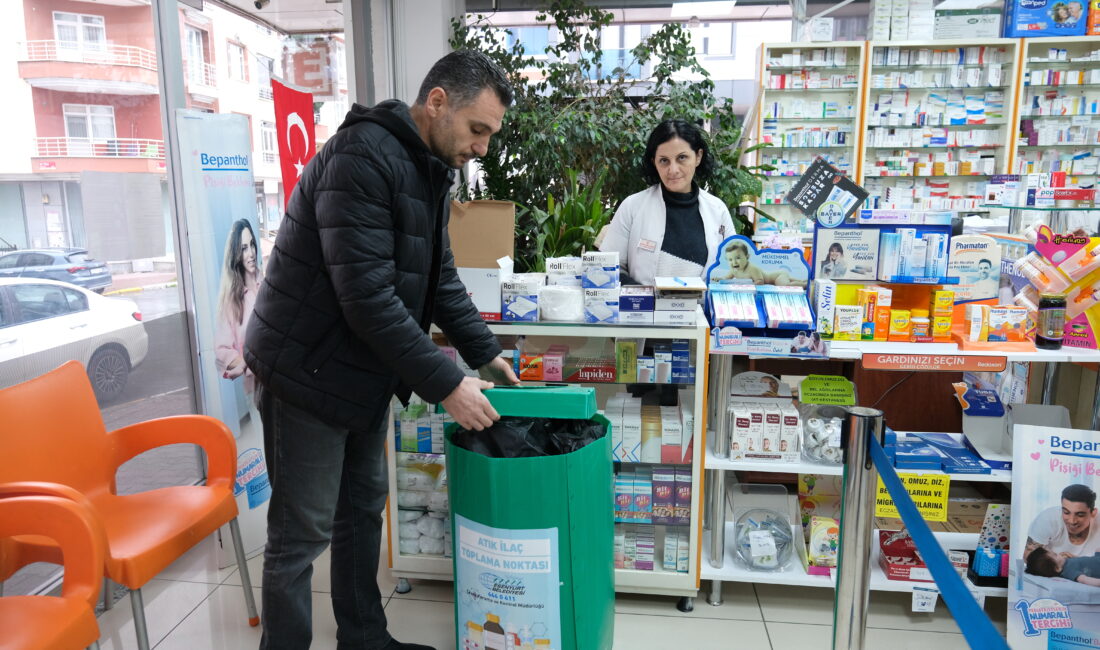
point(674, 227)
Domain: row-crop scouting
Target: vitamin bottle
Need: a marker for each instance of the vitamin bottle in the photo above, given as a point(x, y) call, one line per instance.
point(1052, 321)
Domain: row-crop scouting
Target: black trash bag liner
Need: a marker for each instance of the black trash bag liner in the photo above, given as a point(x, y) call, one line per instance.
point(518, 437)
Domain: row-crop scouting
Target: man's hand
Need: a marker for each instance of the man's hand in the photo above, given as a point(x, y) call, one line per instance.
point(499, 371)
point(469, 408)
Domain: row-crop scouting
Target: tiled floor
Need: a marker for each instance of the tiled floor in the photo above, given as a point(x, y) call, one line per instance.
point(194, 605)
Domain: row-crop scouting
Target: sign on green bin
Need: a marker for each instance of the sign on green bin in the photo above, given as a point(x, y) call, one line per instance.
point(533, 546)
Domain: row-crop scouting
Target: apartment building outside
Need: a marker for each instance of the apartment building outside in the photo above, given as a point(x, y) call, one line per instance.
point(85, 164)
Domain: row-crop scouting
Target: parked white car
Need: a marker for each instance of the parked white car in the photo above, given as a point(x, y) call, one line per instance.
point(44, 323)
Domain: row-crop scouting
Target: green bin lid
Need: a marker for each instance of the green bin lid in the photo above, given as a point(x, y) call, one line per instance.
point(562, 402)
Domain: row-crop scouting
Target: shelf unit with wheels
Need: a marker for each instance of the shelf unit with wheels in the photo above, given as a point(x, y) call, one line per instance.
point(938, 121)
point(810, 106)
point(582, 338)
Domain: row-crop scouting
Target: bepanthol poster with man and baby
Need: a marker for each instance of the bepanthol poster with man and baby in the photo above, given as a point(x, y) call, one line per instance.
point(1054, 566)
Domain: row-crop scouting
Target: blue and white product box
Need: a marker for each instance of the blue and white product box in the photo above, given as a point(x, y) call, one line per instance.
point(519, 297)
point(601, 305)
point(636, 299)
point(646, 370)
point(636, 317)
point(563, 271)
point(1045, 18)
point(600, 270)
point(907, 238)
point(662, 364)
point(889, 255)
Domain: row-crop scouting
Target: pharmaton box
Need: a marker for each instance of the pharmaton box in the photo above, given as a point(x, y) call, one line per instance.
point(481, 233)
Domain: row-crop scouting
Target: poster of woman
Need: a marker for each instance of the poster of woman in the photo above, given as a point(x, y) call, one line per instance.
point(240, 281)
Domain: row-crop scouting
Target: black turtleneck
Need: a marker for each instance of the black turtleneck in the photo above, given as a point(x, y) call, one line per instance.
point(684, 235)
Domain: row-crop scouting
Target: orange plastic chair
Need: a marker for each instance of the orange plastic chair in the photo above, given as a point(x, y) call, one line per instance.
point(53, 432)
point(50, 622)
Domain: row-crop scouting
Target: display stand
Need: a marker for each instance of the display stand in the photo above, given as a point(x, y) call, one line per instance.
point(684, 585)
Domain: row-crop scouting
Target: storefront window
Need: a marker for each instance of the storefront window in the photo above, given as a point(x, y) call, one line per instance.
point(88, 269)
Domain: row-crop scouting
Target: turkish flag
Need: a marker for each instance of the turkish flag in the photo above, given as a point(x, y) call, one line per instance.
point(294, 130)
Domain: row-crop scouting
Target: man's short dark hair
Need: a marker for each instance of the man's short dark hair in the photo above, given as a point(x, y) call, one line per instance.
point(464, 74)
point(1041, 563)
point(668, 130)
point(989, 262)
point(1078, 493)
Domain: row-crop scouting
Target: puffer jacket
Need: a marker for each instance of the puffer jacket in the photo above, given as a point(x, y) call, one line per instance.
point(362, 265)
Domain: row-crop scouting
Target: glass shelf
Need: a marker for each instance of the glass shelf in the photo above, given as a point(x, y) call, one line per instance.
point(941, 176)
point(936, 126)
point(1060, 64)
point(811, 90)
point(1037, 209)
point(951, 146)
point(809, 119)
point(940, 88)
point(1060, 86)
point(806, 146)
point(1057, 117)
point(961, 66)
point(1059, 144)
point(787, 68)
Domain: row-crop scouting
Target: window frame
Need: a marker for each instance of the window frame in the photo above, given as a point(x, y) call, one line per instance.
point(81, 43)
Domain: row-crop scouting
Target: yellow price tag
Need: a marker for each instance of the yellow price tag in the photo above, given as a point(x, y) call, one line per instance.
point(929, 493)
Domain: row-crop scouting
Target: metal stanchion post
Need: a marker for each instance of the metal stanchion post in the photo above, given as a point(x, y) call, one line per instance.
point(721, 374)
point(1050, 382)
point(856, 524)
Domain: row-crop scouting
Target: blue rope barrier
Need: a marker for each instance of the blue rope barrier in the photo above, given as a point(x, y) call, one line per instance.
point(976, 627)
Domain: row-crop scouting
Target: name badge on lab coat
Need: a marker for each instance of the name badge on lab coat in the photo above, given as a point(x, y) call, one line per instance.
point(647, 245)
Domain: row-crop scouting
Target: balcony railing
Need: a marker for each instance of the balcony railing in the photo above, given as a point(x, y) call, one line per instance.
point(127, 55)
point(202, 74)
point(99, 148)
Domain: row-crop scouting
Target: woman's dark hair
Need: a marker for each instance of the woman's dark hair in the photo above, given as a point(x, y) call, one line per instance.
point(836, 247)
point(687, 132)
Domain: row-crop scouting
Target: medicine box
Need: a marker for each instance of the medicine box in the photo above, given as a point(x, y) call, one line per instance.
point(636, 299)
point(756, 428)
point(683, 495)
point(636, 317)
point(773, 431)
point(601, 305)
point(600, 270)
point(672, 432)
point(791, 434)
point(519, 298)
point(626, 360)
point(826, 305)
point(849, 321)
point(674, 318)
point(741, 430)
point(664, 494)
point(624, 495)
point(632, 432)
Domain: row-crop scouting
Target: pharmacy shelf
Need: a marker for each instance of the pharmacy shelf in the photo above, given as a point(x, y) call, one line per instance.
point(799, 68)
point(809, 119)
point(937, 147)
point(1057, 117)
point(711, 461)
point(1040, 64)
point(733, 570)
point(936, 126)
point(854, 350)
point(961, 66)
point(853, 89)
point(775, 145)
point(927, 176)
point(618, 330)
point(1024, 147)
point(658, 582)
point(1059, 86)
point(874, 88)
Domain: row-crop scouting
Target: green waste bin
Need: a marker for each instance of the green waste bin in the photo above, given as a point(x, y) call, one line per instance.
point(533, 537)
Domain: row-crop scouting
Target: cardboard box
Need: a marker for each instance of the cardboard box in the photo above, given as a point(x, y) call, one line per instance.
point(482, 232)
point(900, 561)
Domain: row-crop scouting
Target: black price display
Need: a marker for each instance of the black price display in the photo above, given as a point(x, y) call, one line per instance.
point(826, 195)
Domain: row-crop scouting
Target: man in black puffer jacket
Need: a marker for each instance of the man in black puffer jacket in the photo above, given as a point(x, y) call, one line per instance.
point(361, 267)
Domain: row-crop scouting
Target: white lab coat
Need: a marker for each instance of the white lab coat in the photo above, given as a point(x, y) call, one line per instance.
point(638, 230)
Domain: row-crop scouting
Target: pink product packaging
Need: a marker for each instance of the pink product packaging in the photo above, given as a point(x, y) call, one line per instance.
point(552, 363)
point(664, 495)
point(739, 435)
point(683, 496)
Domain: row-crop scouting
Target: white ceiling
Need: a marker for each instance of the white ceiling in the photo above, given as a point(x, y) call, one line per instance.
point(296, 16)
